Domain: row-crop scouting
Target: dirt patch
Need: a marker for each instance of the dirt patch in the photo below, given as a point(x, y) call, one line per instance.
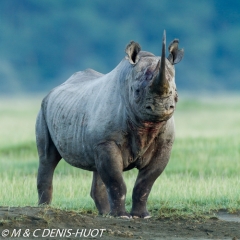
point(49, 223)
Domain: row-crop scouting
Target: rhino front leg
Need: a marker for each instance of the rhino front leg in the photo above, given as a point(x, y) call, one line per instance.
point(99, 194)
point(110, 167)
point(145, 180)
point(48, 160)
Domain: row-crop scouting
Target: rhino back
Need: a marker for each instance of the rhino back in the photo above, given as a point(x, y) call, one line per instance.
point(82, 112)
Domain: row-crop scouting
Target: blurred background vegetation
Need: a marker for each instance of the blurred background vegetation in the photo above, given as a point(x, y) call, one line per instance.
point(43, 42)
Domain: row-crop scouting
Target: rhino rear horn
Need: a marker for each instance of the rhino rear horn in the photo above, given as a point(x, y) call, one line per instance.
point(175, 55)
point(132, 50)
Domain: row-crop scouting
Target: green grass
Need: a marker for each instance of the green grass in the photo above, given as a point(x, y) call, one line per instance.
point(202, 175)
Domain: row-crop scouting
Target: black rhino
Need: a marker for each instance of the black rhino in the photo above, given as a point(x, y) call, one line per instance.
point(109, 124)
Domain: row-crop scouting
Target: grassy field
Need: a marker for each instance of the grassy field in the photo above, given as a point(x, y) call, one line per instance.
point(202, 175)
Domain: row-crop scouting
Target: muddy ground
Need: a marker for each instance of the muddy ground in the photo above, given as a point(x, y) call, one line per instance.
point(48, 223)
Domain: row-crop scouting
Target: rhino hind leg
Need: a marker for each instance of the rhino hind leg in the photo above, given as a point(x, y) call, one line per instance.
point(109, 167)
point(99, 194)
point(48, 160)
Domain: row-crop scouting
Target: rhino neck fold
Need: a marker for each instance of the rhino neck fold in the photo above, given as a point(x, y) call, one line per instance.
point(142, 135)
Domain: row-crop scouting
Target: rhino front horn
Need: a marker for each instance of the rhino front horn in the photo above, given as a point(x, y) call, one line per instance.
point(160, 83)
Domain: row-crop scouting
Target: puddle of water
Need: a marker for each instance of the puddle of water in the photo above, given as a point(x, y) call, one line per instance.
point(224, 216)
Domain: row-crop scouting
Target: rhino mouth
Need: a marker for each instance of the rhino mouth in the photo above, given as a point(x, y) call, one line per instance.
point(151, 108)
point(160, 108)
point(158, 115)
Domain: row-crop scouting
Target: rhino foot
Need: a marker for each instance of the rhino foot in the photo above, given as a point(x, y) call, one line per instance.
point(123, 215)
point(144, 215)
point(126, 217)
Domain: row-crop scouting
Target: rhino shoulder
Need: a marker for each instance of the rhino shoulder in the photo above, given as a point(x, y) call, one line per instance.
point(86, 75)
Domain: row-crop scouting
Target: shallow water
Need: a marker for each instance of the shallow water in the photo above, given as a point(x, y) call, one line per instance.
point(228, 217)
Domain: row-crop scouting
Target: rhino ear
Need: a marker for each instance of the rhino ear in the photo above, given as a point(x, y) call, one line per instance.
point(175, 55)
point(132, 51)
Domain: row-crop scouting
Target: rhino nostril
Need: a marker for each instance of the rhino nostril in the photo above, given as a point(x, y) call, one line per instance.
point(167, 107)
point(150, 107)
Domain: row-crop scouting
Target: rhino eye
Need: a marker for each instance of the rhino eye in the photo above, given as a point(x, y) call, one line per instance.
point(148, 75)
point(137, 92)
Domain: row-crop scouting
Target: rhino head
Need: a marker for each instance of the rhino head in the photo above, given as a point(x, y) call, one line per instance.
point(152, 92)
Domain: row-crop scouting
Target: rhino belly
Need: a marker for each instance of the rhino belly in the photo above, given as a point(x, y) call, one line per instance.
point(73, 147)
point(68, 130)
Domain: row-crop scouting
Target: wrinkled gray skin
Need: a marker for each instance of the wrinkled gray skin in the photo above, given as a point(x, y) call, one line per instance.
point(109, 124)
